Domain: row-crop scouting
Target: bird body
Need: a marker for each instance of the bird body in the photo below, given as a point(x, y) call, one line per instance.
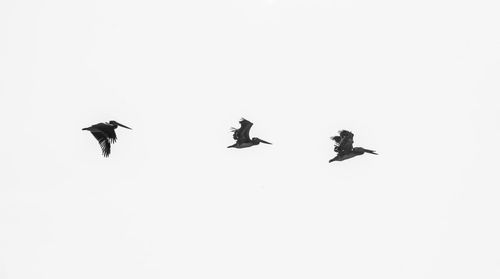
point(242, 136)
point(344, 148)
point(105, 134)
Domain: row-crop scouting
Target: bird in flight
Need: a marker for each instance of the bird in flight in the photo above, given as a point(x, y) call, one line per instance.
point(344, 149)
point(105, 134)
point(242, 136)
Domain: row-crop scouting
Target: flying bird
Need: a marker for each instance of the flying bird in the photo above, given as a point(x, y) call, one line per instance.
point(242, 136)
point(105, 134)
point(344, 149)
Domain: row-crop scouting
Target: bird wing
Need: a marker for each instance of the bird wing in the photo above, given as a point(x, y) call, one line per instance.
point(107, 130)
point(243, 133)
point(346, 140)
point(343, 142)
point(245, 128)
point(103, 142)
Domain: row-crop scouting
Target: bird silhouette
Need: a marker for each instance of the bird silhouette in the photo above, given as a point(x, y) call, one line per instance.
point(105, 134)
point(344, 148)
point(242, 136)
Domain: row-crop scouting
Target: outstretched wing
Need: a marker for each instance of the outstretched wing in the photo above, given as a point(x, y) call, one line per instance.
point(243, 133)
point(245, 128)
point(103, 142)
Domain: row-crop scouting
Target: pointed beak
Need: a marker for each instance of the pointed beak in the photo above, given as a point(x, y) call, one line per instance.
point(263, 141)
point(123, 126)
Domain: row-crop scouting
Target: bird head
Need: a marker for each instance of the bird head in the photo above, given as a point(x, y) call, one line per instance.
point(257, 141)
point(118, 124)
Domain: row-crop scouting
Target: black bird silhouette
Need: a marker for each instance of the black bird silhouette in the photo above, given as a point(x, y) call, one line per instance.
point(242, 135)
point(344, 149)
point(105, 134)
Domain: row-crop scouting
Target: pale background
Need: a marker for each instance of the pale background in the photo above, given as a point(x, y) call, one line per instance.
point(417, 81)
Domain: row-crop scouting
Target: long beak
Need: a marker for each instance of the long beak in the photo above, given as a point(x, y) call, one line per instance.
point(370, 151)
point(263, 141)
point(123, 126)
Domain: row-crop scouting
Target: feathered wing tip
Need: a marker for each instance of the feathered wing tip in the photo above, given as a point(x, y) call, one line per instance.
point(244, 121)
point(345, 133)
point(105, 148)
point(105, 154)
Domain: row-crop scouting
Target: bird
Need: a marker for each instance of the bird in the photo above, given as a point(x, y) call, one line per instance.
point(344, 149)
point(105, 134)
point(242, 136)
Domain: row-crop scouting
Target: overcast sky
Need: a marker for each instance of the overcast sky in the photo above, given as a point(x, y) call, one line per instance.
point(417, 81)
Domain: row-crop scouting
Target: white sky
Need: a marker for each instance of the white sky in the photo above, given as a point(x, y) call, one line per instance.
point(415, 80)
